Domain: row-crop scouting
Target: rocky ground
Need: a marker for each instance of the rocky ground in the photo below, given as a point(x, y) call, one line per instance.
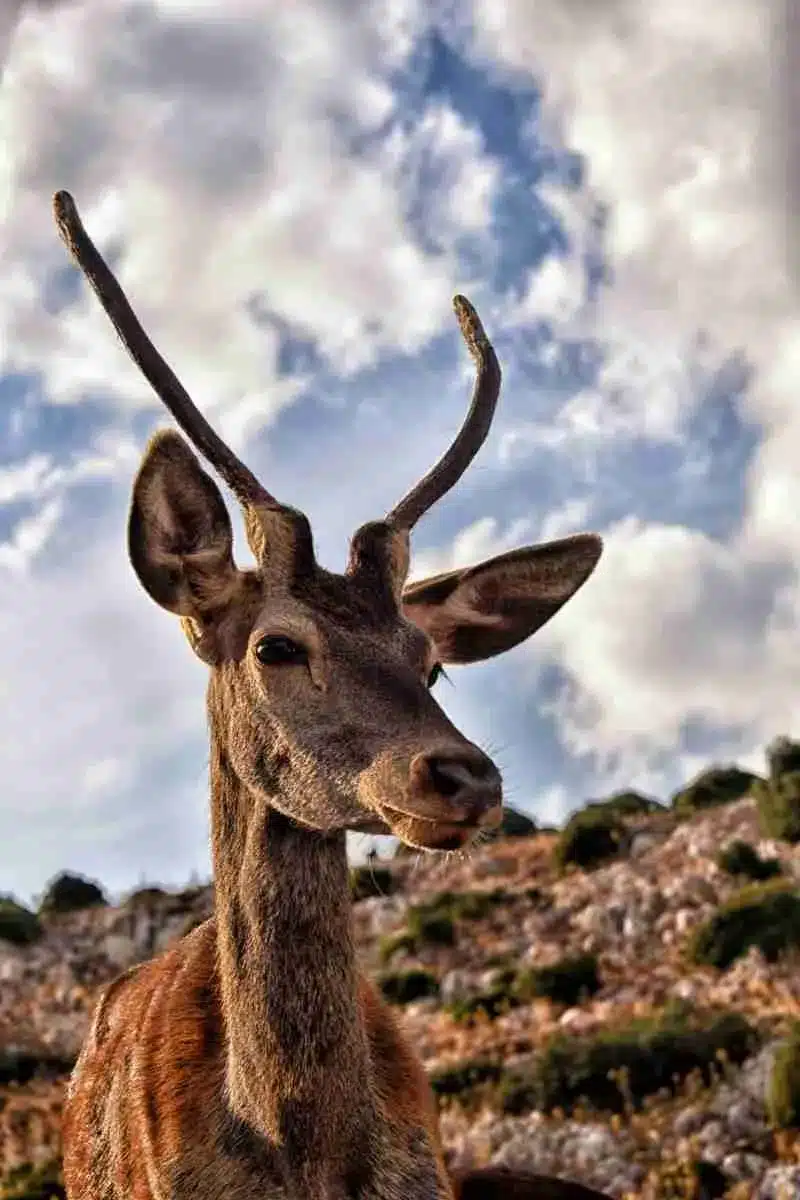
point(706, 1133)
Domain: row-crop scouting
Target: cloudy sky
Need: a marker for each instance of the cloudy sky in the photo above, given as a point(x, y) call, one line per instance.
point(291, 194)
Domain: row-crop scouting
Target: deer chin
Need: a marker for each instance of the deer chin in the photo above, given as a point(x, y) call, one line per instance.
point(429, 833)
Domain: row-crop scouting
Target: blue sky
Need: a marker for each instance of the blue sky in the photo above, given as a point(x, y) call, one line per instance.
point(291, 201)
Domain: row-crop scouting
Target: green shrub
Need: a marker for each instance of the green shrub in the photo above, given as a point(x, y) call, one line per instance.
point(21, 1066)
point(393, 943)
point(34, 1183)
point(589, 837)
point(472, 906)
point(464, 1076)
point(783, 757)
point(516, 824)
point(370, 881)
point(429, 925)
point(434, 922)
point(765, 915)
point(627, 804)
point(147, 897)
point(401, 987)
point(693, 1179)
point(617, 1067)
point(714, 786)
point(783, 1086)
point(564, 982)
point(739, 858)
point(69, 893)
point(17, 923)
point(497, 998)
point(778, 803)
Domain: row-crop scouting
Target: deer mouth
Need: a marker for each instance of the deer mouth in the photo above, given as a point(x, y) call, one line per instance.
point(439, 833)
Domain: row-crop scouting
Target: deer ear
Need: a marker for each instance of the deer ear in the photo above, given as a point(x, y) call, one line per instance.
point(475, 613)
point(180, 538)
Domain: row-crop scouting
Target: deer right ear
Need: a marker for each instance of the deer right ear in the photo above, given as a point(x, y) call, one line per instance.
point(180, 538)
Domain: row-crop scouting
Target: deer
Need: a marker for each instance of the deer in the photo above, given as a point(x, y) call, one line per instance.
point(254, 1058)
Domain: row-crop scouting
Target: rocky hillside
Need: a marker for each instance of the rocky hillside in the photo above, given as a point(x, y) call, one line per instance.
point(614, 1002)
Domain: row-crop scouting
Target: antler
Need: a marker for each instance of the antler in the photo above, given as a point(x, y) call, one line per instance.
point(473, 433)
point(159, 374)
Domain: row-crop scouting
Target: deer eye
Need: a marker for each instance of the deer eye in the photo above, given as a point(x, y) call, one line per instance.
point(276, 650)
point(437, 670)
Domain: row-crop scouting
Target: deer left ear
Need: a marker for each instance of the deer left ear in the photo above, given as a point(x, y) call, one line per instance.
point(478, 612)
point(180, 540)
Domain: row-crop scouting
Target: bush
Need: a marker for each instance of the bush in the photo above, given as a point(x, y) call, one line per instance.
point(693, 1179)
point(564, 982)
point(739, 858)
point(589, 837)
point(17, 923)
point(766, 916)
point(497, 998)
point(617, 1067)
point(783, 1086)
point(69, 893)
point(429, 924)
point(778, 805)
point(714, 786)
point(34, 1183)
point(433, 923)
point(628, 804)
point(393, 943)
point(471, 906)
point(402, 987)
point(21, 1066)
point(783, 757)
point(370, 881)
point(148, 897)
point(516, 824)
point(464, 1076)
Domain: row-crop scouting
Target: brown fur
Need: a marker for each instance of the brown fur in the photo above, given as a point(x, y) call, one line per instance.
point(253, 1059)
point(151, 1095)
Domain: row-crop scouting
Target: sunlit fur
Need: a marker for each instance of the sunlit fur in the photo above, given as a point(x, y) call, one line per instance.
point(253, 1059)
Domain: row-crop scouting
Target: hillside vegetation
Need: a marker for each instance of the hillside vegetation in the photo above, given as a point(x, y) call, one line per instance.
point(617, 1002)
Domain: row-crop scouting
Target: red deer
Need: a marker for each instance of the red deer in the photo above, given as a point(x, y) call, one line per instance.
point(253, 1059)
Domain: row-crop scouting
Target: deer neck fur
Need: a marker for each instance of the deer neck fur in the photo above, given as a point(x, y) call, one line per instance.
point(298, 1069)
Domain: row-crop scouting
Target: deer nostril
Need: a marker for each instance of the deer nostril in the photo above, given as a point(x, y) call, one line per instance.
point(446, 777)
point(468, 778)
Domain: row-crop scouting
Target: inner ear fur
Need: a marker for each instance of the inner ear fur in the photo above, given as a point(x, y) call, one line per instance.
point(180, 538)
point(477, 612)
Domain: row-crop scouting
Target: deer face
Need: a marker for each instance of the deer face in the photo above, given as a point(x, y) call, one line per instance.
point(320, 692)
point(320, 687)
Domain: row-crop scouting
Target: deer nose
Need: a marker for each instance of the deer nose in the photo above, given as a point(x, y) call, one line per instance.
point(465, 783)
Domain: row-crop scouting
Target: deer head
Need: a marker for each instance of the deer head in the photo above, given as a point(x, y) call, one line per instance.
point(321, 683)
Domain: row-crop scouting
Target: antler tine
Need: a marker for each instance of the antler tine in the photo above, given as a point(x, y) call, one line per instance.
point(158, 373)
point(473, 433)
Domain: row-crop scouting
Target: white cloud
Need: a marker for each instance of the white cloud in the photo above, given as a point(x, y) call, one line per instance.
point(97, 688)
point(21, 480)
point(257, 204)
point(482, 539)
point(572, 517)
point(213, 162)
point(30, 537)
point(685, 131)
point(219, 172)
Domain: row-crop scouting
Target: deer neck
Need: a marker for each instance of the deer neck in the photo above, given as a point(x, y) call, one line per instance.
point(298, 1063)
